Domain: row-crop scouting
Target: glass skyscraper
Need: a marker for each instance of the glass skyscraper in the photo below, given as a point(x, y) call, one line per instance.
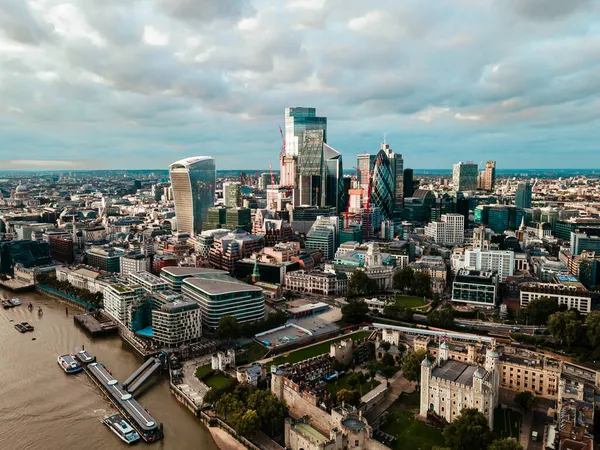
point(383, 185)
point(523, 195)
point(465, 176)
point(193, 183)
point(297, 121)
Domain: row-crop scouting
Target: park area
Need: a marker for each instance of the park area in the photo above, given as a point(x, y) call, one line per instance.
point(252, 351)
point(507, 423)
point(409, 432)
point(408, 301)
point(314, 350)
point(216, 380)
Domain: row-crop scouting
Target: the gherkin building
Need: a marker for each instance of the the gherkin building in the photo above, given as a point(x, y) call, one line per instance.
point(382, 188)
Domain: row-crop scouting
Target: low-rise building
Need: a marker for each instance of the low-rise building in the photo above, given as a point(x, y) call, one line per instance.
point(151, 283)
point(475, 288)
point(435, 267)
point(134, 262)
point(572, 296)
point(118, 297)
point(316, 282)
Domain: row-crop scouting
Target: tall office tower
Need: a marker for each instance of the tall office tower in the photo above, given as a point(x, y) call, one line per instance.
point(408, 188)
point(382, 189)
point(449, 231)
point(297, 121)
point(464, 176)
point(324, 236)
point(335, 193)
point(523, 195)
point(489, 176)
point(397, 168)
point(232, 194)
point(365, 164)
point(193, 183)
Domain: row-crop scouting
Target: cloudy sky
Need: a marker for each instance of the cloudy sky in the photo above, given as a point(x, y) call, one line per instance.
point(141, 83)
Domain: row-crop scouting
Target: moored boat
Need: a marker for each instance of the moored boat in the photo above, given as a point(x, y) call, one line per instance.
point(69, 364)
point(20, 328)
point(15, 301)
point(121, 428)
point(27, 326)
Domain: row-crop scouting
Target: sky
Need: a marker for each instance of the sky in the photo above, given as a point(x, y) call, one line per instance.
point(138, 84)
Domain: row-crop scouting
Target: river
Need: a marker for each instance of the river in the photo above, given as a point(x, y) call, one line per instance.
point(43, 408)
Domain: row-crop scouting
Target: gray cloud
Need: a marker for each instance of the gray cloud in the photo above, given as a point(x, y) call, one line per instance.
point(18, 22)
point(548, 9)
point(205, 10)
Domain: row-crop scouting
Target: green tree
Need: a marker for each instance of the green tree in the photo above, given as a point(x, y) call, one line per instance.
point(247, 422)
point(469, 431)
point(442, 317)
point(271, 410)
point(525, 400)
point(385, 345)
point(422, 284)
point(505, 444)
point(388, 360)
point(228, 328)
point(355, 311)
point(398, 312)
point(403, 279)
point(228, 405)
point(360, 284)
point(411, 365)
point(349, 397)
point(539, 310)
point(565, 327)
point(592, 326)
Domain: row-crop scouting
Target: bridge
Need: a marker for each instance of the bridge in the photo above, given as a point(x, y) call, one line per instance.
point(137, 378)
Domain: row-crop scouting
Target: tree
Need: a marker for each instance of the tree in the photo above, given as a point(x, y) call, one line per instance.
point(442, 317)
point(388, 360)
point(411, 365)
point(398, 312)
point(592, 326)
point(385, 345)
point(525, 400)
point(565, 327)
point(271, 410)
point(349, 397)
point(247, 422)
point(505, 444)
point(360, 284)
point(228, 328)
point(353, 380)
point(422, 284)
point(470, 430)
point(355, 311)
point(539, 310)
point(404, 279)
point(228, 405)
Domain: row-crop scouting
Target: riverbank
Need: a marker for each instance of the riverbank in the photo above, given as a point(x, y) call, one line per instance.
point(224, 440)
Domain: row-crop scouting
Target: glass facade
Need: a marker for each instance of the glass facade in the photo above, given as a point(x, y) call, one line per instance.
point(193, 183)
point(523, 195)
point(297, 121)
point(465, 176)
point(382, 190)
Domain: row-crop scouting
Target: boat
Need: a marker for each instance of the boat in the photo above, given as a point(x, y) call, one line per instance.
point(121, 428)
point(20, 328)
point(27, 326)
point(15, 301)
point(69, 364)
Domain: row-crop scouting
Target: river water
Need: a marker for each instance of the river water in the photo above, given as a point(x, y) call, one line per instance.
point(43, 408)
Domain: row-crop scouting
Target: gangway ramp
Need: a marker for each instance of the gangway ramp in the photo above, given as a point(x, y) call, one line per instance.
point(138, 377)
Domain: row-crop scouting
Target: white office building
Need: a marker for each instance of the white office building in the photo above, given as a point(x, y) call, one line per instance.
point(150, 282)
point(450, 230)
point(135, 262)
point(501, 261)
point(118, 297)
point(177, 323)
point(575, 296)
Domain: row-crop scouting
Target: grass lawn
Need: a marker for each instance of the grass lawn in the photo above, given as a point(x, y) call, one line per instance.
point(507, 422)
point(408, 301)
point(216, 381)
point(203, 370)
point(255, 352)
point(315, 350)
point(410, 433)
point(333, 387)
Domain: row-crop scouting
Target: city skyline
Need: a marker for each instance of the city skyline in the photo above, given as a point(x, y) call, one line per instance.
point(139, 86)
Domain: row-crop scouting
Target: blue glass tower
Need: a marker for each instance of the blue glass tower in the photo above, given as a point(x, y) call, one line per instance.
point(383, 186)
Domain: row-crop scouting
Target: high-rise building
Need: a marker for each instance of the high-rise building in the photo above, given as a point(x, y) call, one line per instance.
point(397, 170)
point(489, 176)
point(464, 176)
point(297, 121)
point(334, 179)
point(232, 194)
point(523, 195)
point(383, 187)
point(449, 231)
point(500, 261)
point(408, 183)
point(365, 164)
point(324, 236)
point(193, 183)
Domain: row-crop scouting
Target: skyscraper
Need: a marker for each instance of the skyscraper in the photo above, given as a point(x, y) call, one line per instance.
point(232, 193)
point(489, 176)
point(193, 183)
point(464, 176)
point(523, 195)
point(408, 183)
point(382, 187)
point(365, 164)
point(397, 170)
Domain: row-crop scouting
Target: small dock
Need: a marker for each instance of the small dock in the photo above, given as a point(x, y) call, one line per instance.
point(95, 324)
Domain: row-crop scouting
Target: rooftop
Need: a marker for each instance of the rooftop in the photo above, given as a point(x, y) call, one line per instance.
point(308, 432)
point(190, 271)
point(218, 282)
point(455, 371)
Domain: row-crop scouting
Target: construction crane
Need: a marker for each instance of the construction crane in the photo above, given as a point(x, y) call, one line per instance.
point(272, 176)
point(282, 153)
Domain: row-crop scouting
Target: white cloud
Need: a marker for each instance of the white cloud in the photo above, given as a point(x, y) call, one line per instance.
point(153, 36)
point(365, 22)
